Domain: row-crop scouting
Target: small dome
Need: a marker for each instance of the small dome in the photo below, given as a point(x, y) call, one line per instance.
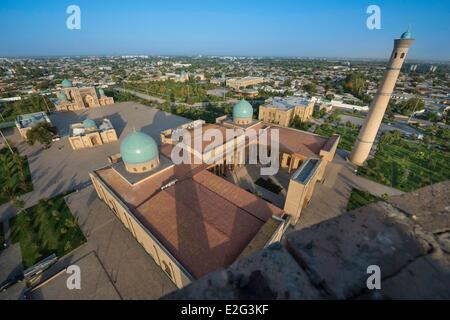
point(62, 96)
point(138, 147)
point(89, 124)
point(242, 110)
point(67, 83)
point(406, 35)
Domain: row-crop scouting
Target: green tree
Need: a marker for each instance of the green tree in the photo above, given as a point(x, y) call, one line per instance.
point(355, 83)
point(319, 113)
point(298, 124)
point(409, 106)
point(43, 133)
point(310, 88)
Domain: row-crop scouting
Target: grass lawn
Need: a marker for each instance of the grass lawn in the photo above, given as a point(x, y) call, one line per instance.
point(359, 198)
point(46, 228)
point(407, 164)
point(348, 134)
point(15, 177)
point(269, 185)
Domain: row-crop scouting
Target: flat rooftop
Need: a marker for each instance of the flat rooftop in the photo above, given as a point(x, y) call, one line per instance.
point(303, 143)
point(303, 174)
point(287, 103)
point(31, 119)
point(133, 178)
point(78, 129)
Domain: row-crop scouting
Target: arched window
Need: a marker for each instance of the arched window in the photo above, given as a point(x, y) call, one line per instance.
point(395, 55)
point(402, 55)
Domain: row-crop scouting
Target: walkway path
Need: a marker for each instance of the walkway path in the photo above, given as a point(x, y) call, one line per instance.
point(130, 268)
point(330, 197)
point(141, 95)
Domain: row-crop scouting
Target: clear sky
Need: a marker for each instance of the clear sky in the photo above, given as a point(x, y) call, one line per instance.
point(319, 28)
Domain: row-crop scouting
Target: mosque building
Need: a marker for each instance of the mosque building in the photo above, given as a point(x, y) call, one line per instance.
point(88, 134)
point(26, 122)
point(72, 98)
point(188, 217)
point(282, 110)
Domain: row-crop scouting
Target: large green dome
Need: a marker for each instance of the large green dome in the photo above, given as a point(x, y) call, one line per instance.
point(138, 147)
point(242, 110)
point(62, 96)
point(67, 83)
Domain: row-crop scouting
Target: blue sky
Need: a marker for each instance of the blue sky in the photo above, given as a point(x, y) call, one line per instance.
point(320, 28)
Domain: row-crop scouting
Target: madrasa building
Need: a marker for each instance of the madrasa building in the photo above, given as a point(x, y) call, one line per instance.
point(188, 217)
point(72, 98)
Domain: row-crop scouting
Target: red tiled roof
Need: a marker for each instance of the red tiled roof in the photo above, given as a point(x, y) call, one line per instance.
point(296, 141)
point(205, 222)
point(330, 142)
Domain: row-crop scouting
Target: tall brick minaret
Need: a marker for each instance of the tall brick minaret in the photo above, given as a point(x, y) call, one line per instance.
point(380, 102)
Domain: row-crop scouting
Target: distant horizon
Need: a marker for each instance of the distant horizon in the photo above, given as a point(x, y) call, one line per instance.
point(283, 28)
point(200, 56)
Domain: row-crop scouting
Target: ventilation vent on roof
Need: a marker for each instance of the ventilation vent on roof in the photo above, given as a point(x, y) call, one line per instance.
point(169, 184)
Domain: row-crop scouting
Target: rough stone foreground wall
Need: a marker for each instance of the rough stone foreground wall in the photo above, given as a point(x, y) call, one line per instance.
point(408, 238)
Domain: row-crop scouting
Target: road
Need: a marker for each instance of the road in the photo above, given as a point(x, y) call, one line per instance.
point(160, 100)
point(396, 125)
point(141, 95)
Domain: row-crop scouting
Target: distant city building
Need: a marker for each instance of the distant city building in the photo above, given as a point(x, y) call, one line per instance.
point(182, 77)
point(25, 122)
point(72, 98)
point(218, 81)
point(282, 110)
point(10, 99)
point(87, 134)
point(247, 93)
point(199, 76)
point(181, 65)
point(244, 82)
point(341, 105)
point(188, 217)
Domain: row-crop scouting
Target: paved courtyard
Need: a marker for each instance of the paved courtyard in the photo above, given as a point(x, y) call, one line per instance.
point(331, 196)
point(60, 169)
point(113, 262)
point(246, 176)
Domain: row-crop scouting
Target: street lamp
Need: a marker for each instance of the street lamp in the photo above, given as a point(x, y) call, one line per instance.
point(412, 114)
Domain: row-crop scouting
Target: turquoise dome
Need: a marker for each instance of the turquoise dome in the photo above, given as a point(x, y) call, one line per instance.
point(242, 110)
point(67, 83)
point(138, 147)
point(89, 123)
point(62, 96)
point(406, 35)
